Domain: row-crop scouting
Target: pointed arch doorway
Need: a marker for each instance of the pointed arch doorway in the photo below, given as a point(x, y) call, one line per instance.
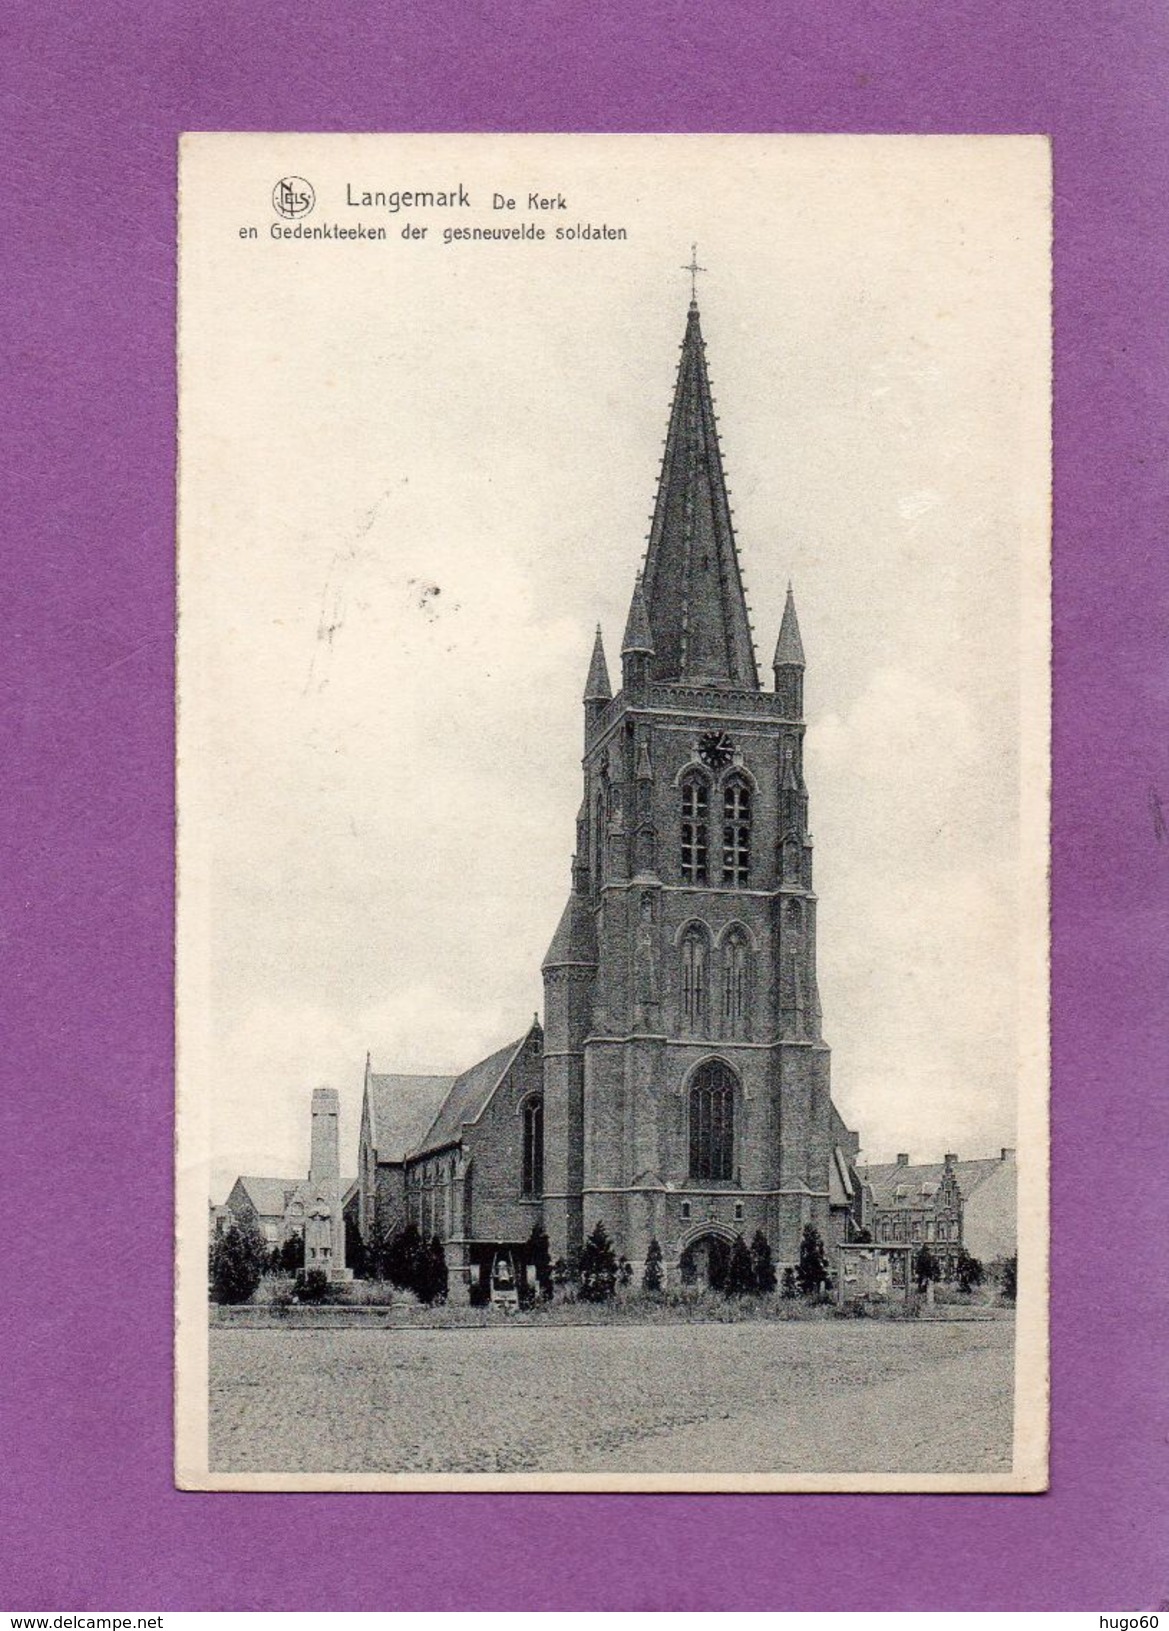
point(706, 1257)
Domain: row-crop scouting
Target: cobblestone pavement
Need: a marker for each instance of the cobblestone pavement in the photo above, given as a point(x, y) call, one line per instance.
point(786, 1397)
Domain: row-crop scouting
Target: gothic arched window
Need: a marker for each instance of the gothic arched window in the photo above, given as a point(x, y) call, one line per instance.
point(694, 978)
point(533, 1157)
point(735, 982)
point(695, 807)
point(712, 1123)
point(736, 833)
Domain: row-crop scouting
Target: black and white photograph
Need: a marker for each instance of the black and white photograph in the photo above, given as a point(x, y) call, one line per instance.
point(613, 688)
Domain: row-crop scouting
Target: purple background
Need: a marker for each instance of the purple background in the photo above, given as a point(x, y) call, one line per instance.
point(95, 96)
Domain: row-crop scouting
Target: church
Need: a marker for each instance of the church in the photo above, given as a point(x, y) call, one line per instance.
point(678, 1087)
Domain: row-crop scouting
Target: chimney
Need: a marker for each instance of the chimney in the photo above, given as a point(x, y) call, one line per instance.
point(1006, 1153)
point(950, 1158)
point(902, 1160)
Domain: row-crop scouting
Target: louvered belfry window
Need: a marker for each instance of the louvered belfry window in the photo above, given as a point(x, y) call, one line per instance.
point(712, 1123)
point(736, 834)
point(695, 806)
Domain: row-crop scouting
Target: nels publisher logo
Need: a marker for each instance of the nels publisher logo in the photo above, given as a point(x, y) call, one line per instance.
point(293, 197)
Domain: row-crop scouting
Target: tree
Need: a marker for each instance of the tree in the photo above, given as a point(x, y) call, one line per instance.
point(355, 1254)
point(812, 1273)
point(718, 1262)
point(430, 1283)
point(237, 1262)
point(540, 1257)
point(404, 1256)
point(969, 1271)
point(653, 1280)
point(598, 1267)
point(561, 1272)
point(926, 1268)
point(740, 1281)
point(377, 1251)
point(1009, 1281)
point(292, 1253)
point(762, 1264)
point(790, 1289)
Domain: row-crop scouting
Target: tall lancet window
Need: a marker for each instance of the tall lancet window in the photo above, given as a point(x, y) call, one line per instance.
point(533, 1162)
point(694, 976)
point(712, 1123)
point(695, 807)
point(600, 834)
point(736, 834)
point(735, 983)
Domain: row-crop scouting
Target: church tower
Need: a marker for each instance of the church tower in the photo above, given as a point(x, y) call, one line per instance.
point(686, 1080)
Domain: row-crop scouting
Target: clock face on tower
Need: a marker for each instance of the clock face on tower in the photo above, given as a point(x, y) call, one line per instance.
point(715, 749)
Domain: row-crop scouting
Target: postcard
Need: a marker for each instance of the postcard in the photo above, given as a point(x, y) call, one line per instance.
point(613, 688)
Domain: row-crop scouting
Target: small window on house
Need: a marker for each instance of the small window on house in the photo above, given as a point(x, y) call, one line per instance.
point(736, 834)
point(685, 1209)
point(695, 807)
point(738, 1211)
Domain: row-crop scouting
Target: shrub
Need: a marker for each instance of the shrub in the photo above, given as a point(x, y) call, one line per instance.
point(812, 1273)
point(598, 1267)
point(740, 1280)
point(762, 1264)
point(624, 1273)
point(788, 1286)
point(237, 1261)
point(312, 1286)
point(653, 1279)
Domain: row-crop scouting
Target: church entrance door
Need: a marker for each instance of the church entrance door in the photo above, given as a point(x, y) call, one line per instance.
point(705, 1262)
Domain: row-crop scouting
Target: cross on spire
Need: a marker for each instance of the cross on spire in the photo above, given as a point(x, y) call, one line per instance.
point(693, 268)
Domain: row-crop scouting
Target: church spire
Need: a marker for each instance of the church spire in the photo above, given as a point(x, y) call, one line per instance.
point(692, 585)
point(597, 687)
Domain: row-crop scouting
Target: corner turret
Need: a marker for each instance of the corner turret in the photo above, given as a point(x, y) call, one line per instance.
point(788, 662)
point(637, 648)
point(598, 693)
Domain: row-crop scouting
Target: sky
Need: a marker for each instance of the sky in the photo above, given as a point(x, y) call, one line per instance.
point(413, 477)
